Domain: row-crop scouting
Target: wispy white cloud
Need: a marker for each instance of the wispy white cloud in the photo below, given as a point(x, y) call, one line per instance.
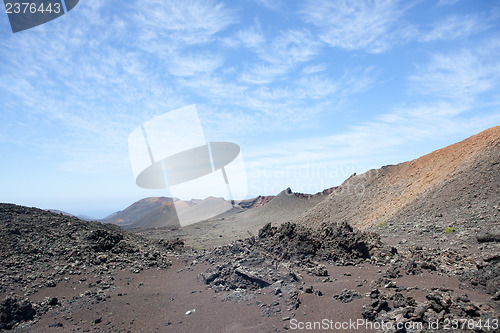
point(94, 91)
point(279, 55)
point(252, 37)
point(263, 73)
point(460, 75)
point(313, 69)
point(447, 2)
point(291, 47)
point(328, 160)
point(457, 26)
point(315, 87)
point(453, 80)
point(357, 80)
point(76, 94)
point(285, 105)
point(187, 22)
point(363, 25)
point(87, 94)
point(271, 4)
point(215, 88)
point(186, 64)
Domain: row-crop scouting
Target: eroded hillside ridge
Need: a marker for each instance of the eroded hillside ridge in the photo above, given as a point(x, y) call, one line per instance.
point(255, 202)
point(458, 181)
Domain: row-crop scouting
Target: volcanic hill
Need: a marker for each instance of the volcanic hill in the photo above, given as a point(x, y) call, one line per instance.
point(456, 187)
point(164, 212)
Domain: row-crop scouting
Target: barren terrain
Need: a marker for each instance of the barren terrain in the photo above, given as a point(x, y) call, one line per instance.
point(411, 244)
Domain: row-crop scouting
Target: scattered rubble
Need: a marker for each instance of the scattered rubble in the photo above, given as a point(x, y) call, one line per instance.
point(441, 306)
point(273, 259)
point(39, 249)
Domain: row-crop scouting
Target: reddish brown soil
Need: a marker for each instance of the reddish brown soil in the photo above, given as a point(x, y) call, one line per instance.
point(157, 300)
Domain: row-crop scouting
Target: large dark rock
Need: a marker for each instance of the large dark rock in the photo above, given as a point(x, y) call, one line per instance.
point(486, 278)
point(347, 296)
point(337, 242)
point(14, 310)
point(489, 235)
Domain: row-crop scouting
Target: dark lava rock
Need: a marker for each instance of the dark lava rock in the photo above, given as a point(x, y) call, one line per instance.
point(337, 242)
point(309, 290)
point(175, 244)
point(489, 235)
point(273, 258)
point(441, 304)
point(347, 296)
point(56, 324)
point(416, 259)
point(393, 271)
point(398, 300)
point(230, 277)
point(53, 301)
point(251, 277)
point(377, 304)
point(104, 240)
point(14, 310)
point(486, 278)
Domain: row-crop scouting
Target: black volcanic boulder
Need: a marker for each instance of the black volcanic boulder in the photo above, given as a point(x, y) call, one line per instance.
point(337, 242)
point(289, 241)
point(14, 310)
point(344, 241)
point(485, 278)
point(174, 244)
point(489, 235)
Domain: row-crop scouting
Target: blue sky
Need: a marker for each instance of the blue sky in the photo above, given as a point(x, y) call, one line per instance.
point(312, 91)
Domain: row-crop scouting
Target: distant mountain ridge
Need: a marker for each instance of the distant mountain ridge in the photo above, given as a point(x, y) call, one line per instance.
point(244, 219)
point(161, 212)
point(81, 216)
point(164, 212)
point(147, 212)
